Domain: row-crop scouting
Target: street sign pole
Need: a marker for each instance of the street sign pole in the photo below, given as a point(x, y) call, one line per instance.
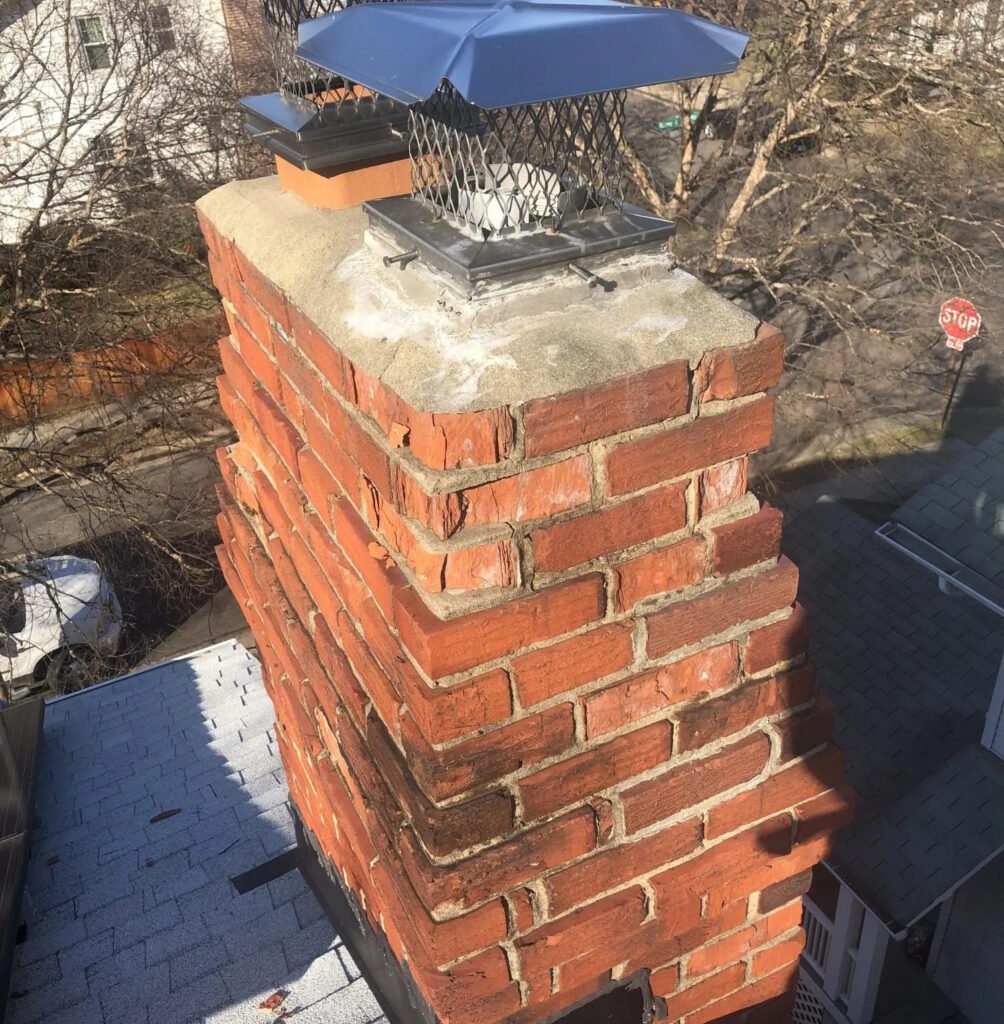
point(958, 363)
point(961, 323)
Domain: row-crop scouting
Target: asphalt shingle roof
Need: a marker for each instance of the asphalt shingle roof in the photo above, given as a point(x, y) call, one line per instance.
point(133, 921)
point(962, 512)
point(911, 672)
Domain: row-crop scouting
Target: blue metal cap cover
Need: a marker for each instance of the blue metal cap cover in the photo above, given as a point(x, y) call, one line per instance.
point(503, 53)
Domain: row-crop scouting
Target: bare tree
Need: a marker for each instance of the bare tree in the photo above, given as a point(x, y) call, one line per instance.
point(111, 125)
point(851, 185)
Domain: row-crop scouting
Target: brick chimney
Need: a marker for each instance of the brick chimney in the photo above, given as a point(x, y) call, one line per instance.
point(539, 678)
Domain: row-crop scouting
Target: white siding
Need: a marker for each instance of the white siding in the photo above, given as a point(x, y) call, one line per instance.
point(53, 105)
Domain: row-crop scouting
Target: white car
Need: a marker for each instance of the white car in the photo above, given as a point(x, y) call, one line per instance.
point(58, 618)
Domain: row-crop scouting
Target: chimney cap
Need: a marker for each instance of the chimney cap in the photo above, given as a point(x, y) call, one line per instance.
point(505, 53)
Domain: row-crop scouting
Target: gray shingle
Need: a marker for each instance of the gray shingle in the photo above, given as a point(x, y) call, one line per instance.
point(909, 714)
point(134, 909)
point(962, 512)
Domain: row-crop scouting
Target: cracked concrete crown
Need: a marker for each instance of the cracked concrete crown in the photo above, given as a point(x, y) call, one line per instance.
point(442, 353)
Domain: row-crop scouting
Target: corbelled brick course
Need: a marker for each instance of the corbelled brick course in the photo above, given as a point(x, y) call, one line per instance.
point(539, 684)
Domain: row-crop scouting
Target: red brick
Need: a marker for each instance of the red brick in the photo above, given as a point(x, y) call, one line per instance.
point(444, 830)
point(443, 567)
point(746, 863)
point(348, 431)
point(280, 433)
point(382, 577)
point(785, 891)
point(696, 444)
point(448, 713)
point(298, 375)
point(578, 417)
point(319, 485)
point(611, 529)
point(456, 440)
point(674, 931)
point(254, 318)
point(582, 931)
point(236, 370)
point(270, 297)
point(462, 993)
point(486, 758)
point(721, 485)
point(443, 647)
point(574, 662)
point(745, 542)
point(594, 770)
point(441, 514)
point(331, 454)
point(745, 370)
point(331, 364)
point(806, 730)
point(751, 997)
point(455, 937)
point(719, 954)
point(728, 606)
point(660, 572)
point(788, 788)
point(777, 643)
point(660, 689)
point(693, 783)
point(618, 865)
point(781, 954)
point(704, 722)
point(692, 998)
point(521, 903)
point(818, 819)
point(253, 350)
point(512, 863)
point(533, 494)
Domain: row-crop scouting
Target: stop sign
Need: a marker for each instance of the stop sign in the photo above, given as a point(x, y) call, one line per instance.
point(960, 321)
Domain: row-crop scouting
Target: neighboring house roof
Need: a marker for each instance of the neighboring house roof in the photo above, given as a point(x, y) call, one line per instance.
point(911, 672)
point(961, 514)
point(133, 920)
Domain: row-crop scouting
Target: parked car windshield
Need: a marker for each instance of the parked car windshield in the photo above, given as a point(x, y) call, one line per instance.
point(12, 608)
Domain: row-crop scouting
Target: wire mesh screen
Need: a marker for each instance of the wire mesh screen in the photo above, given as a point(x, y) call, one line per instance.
point(518, 168)
point(296, 77)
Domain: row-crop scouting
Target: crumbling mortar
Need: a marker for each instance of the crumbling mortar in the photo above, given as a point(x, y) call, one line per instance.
point(640, 641)
point(611, 586)
point(651, 908)
point(516, 414)
point(540, 902)
point(690, 499)
point(597, 475)
point(579, 718)
point(742, 508)
point(512, 956)
point(723, 405)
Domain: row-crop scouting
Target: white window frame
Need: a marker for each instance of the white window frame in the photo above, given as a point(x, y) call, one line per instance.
point(161, 36)
point(90, 48)
point(849, 958)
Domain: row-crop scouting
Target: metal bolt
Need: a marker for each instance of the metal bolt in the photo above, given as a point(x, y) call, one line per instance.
point(592, 279)
point(404, 258)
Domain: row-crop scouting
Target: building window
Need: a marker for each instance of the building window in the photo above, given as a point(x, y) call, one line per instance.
point(92, 39)
point(161, 30)
point(103, 154)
